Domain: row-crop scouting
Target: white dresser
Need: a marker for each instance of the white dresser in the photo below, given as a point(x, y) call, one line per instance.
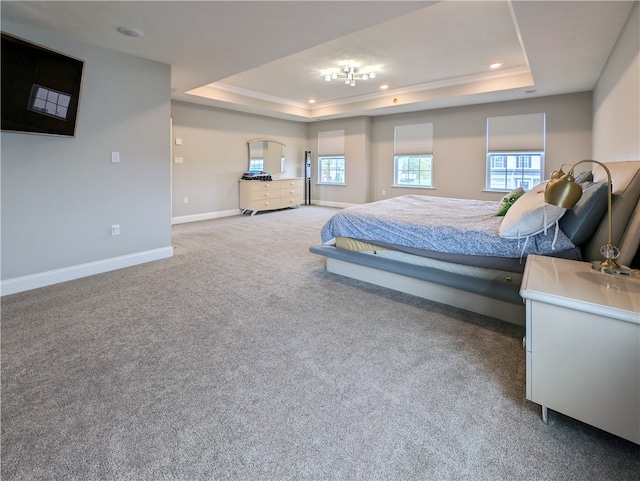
point(257, 195)
point(583, 343)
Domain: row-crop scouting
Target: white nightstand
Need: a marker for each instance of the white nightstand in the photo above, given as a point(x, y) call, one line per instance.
point(583, 343)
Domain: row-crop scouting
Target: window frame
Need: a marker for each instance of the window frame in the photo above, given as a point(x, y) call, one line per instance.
point(343, 170)
point(396, 172)
point(527, 178)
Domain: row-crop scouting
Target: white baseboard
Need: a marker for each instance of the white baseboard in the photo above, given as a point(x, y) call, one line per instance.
point(33, 281)
point(325, 203)
point(206, 216)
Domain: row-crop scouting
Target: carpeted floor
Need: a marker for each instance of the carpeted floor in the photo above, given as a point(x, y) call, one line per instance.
point(240, 358)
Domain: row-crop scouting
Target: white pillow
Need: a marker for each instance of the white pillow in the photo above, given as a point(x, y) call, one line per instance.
point(530, 215)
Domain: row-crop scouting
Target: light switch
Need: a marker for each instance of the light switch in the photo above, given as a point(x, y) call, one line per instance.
point(115, 156)
point(178, 160)
point(178, 141)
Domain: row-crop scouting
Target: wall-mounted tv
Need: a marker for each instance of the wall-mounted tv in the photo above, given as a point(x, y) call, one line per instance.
point(40, 88)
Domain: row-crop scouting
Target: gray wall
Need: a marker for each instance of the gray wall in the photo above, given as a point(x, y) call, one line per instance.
point(215, 154)
point(357, 151)
point(616, 98)
point(61, 195)
point(459, 147)
point(214, 151)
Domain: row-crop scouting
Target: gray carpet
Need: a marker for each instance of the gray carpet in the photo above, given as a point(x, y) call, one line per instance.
point(242, 358)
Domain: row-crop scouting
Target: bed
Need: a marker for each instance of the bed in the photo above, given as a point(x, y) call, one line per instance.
point(460, 252)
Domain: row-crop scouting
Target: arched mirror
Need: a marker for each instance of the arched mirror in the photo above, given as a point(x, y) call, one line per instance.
point(266, 155)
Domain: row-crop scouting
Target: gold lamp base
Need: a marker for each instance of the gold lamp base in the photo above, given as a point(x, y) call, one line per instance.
point(609, 266)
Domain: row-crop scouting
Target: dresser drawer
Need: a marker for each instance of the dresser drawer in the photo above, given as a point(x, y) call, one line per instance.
point(291, 183)
point(290, 201)
point(262, 186)
point(291, 191)
point(265, 194)
point(258, 195)
point(264, 204)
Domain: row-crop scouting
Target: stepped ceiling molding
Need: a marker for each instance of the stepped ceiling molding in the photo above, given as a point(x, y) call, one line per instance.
point(271, 58)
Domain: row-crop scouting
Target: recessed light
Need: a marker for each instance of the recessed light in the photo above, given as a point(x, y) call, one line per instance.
point(494, 66)
point(130, 32)
point(384, 87)
point(312, 101)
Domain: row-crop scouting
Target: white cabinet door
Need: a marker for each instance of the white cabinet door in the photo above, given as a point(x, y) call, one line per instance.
point(586, 366)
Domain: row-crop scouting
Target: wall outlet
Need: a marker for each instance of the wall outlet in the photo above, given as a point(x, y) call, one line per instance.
point(178, 160)
point(186, 200)
point(115, 229)
point(384, 192)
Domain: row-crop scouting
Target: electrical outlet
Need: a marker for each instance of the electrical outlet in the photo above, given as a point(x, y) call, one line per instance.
point(384, 192)
point(115, 229)
point(186, 200)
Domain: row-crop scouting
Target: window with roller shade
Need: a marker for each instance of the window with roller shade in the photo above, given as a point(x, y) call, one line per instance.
point(413, 159)
point(331, 161)
point(515, 151)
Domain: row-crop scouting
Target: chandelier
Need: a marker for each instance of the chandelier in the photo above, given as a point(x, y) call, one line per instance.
point(349, 76)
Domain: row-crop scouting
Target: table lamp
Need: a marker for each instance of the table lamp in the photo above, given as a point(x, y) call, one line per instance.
point(563, 191)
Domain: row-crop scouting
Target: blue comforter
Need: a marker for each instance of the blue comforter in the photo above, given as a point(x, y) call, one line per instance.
point(456, 226)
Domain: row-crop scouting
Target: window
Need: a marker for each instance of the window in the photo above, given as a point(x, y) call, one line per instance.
point(510, 170)
point(498, 161)
point(256, 164)
point(331, 159)
point(413, 170)
point(515, 151)
point(523, 161)
point(49, 102)
point(331, 169)
point(413, 159)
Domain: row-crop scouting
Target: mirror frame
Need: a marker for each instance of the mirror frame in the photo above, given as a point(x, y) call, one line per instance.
point(274, 171)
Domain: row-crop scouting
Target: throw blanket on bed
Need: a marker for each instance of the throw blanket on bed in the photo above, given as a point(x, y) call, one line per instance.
point(456, 226)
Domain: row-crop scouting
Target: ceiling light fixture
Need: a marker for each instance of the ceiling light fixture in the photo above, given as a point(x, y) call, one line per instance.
point(349, 76)
point(494, 66)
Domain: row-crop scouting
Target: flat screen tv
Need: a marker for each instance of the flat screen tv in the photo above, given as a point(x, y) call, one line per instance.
point(40, 88)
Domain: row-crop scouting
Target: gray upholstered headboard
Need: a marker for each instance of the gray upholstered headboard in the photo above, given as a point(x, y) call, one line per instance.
point(625, 213)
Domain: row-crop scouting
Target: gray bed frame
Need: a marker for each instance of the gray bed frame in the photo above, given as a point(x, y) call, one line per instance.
point(500, 300)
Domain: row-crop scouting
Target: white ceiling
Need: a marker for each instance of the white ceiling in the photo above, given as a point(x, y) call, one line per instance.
point(270, 58)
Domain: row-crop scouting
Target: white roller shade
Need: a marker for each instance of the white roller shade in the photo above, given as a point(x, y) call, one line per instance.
point(414, 139)
point(509, 133)
point(331, 142)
